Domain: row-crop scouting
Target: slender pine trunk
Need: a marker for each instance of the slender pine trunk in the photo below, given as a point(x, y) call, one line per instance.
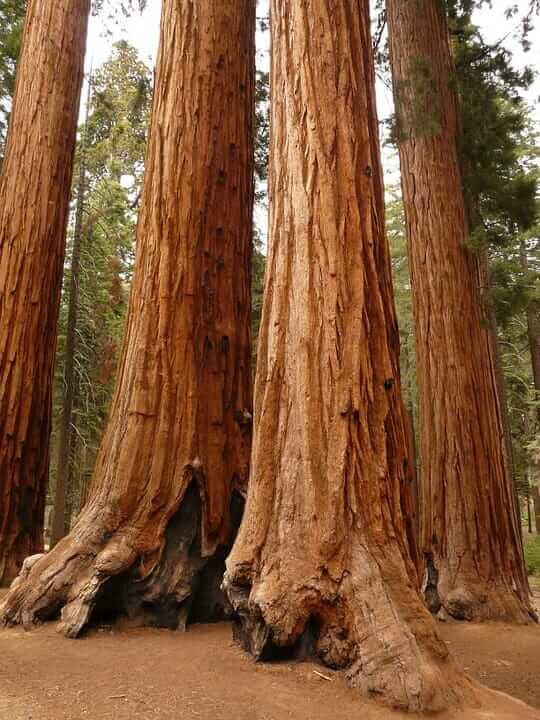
point(66, 435)
point(533, 327)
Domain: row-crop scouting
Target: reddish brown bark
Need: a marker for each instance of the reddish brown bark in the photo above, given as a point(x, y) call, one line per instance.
point(35, 185)
point(469, 530)
point(161, 508)
point(321, 558)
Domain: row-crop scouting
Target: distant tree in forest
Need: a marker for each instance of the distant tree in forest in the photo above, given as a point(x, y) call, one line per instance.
point(35, 183)
point(166, 493)
point(69, 385)
point(257, 292)
point(470, 534)
point(111, 9)
point(262, 141)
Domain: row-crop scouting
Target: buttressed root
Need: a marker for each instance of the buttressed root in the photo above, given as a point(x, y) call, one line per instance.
point(94, 573)
point(366, 620)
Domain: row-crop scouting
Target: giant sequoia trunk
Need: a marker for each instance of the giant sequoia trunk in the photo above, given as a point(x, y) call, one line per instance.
point(161, 509)
point(35, 186)
point(470, 534)
point(321, 562)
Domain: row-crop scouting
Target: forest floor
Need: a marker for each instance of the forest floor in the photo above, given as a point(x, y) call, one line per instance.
point(145, 674)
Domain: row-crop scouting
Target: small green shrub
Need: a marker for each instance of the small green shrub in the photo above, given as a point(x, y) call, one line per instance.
point(532, 555)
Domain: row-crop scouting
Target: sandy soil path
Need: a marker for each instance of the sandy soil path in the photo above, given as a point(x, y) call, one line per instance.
point(142, 674)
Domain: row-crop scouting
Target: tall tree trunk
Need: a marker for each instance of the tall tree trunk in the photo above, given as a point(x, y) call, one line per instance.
point(35, 185)
point(70, 485)
point(322, 556)
point(65, 441)
point(528, 501)
point(470, 534)
point(533, 327)
point(533, 334)
point(161, 510)
point(536, 505)
point(412, 468)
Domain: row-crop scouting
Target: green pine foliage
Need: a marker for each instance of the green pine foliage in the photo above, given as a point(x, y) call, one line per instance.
point(532, 555)
point(262, 142)
point(11, 24)
point(257, 290)
point(395, 228)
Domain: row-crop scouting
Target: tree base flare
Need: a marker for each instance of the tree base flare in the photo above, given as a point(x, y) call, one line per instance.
point(468, 597)
point(369, 624)
point(87, 581)
point(14, 556)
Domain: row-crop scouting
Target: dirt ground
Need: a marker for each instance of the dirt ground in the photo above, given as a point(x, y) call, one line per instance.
point(142, 674)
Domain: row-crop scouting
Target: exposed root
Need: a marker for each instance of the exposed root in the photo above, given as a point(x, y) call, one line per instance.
point(99, 574)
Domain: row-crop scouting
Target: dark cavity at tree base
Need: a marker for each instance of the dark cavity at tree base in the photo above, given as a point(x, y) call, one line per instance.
point(184, 588)
point(401, 663)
